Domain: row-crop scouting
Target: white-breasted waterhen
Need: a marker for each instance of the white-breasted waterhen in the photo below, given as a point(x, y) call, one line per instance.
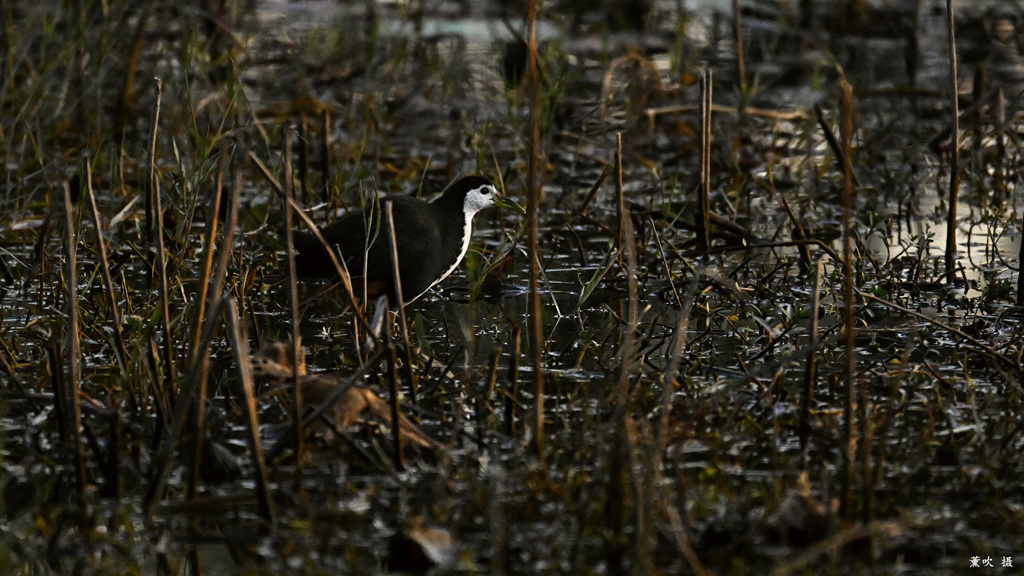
point(431, 239)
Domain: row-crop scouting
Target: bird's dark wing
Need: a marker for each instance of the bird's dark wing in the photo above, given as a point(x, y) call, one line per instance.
point(348, 235)
point(418, 233)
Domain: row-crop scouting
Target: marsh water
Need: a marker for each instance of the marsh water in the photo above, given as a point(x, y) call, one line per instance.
point(678, 433)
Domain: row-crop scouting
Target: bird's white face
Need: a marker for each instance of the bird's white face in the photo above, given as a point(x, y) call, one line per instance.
point(479, 198)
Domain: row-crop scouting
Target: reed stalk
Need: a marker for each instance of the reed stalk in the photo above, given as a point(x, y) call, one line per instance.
point(176, 417)
point(148, 231)
point(849, 313)
point(533, 206)
point(240, 345)
point(396, 411)
point(108, 282)
point(954, 164)
point(647, 541)
point(811, 372)
point(325, 163)
point(161, 256)
point(704, 196)
point(620, 455)
point(74, 347)
point(304, 157)
point(737, 29)
point(403, 324)
point(206, 261)
point(293, 308)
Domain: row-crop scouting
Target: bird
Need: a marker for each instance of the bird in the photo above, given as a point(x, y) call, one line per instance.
point(431, 239)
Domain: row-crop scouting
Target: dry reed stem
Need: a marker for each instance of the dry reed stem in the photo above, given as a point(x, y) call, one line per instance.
point(206, 262)
point(293, 306)
point(396, 412)
point(811, 373)
point(108, 282)
point(195, 386)
point(165, 456)
point(152, 155)
point(798, 229)
point(737, 28)
point(849, 313)
point(620, 200)
point(165, 302)
point(833, 143)
point(128, 83)
point(74, 347)
point(592, 193)
point(534, 200)
point(492, 378)
point(704, 196)
point(668, 383)
point(622, 448)
point(240, 345)
point(304, 157)
point(40, 247)
point(954, 168)
point(913, 54)
point(224, 254)
point(396, 432)
point(325, 163)
point(1020, 276)
point(403, 324)
point(199, 376)
point(154, 202)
